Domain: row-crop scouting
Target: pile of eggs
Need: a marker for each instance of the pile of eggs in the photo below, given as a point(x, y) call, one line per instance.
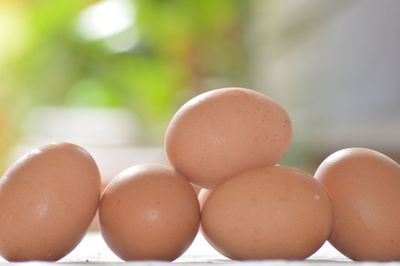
point(228, 142)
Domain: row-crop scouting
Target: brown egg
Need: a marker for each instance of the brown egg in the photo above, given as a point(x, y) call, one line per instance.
point(47, 200)
point(364, 186)
point(149, 212)
point(274, 212)
point(224, 132)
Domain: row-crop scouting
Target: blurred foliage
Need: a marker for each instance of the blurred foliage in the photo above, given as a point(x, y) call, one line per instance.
point(175, 49)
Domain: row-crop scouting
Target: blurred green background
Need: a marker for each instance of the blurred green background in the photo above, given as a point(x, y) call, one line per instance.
point(145, 55)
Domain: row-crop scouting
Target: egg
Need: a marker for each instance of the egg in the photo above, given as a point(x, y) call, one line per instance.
point(47, 201)
point(364, 186)
point(223, 132)
point(274, 212)
point(149, 212)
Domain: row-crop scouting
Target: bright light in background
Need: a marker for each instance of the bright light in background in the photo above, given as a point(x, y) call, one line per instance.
point(105, 19)
point(13, 31)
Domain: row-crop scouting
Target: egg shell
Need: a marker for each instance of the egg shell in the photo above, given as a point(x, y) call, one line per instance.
point(149, 212)
point(47, 200)
point(224, 132)
point(364, 186)
point(272, 212)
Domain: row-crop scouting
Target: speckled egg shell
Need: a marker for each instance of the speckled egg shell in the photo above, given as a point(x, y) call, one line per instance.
point(223, 132)
point(149, 212)
point(272, 212)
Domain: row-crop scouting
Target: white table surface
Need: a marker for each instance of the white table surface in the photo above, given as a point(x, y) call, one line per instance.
point(93, 250)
